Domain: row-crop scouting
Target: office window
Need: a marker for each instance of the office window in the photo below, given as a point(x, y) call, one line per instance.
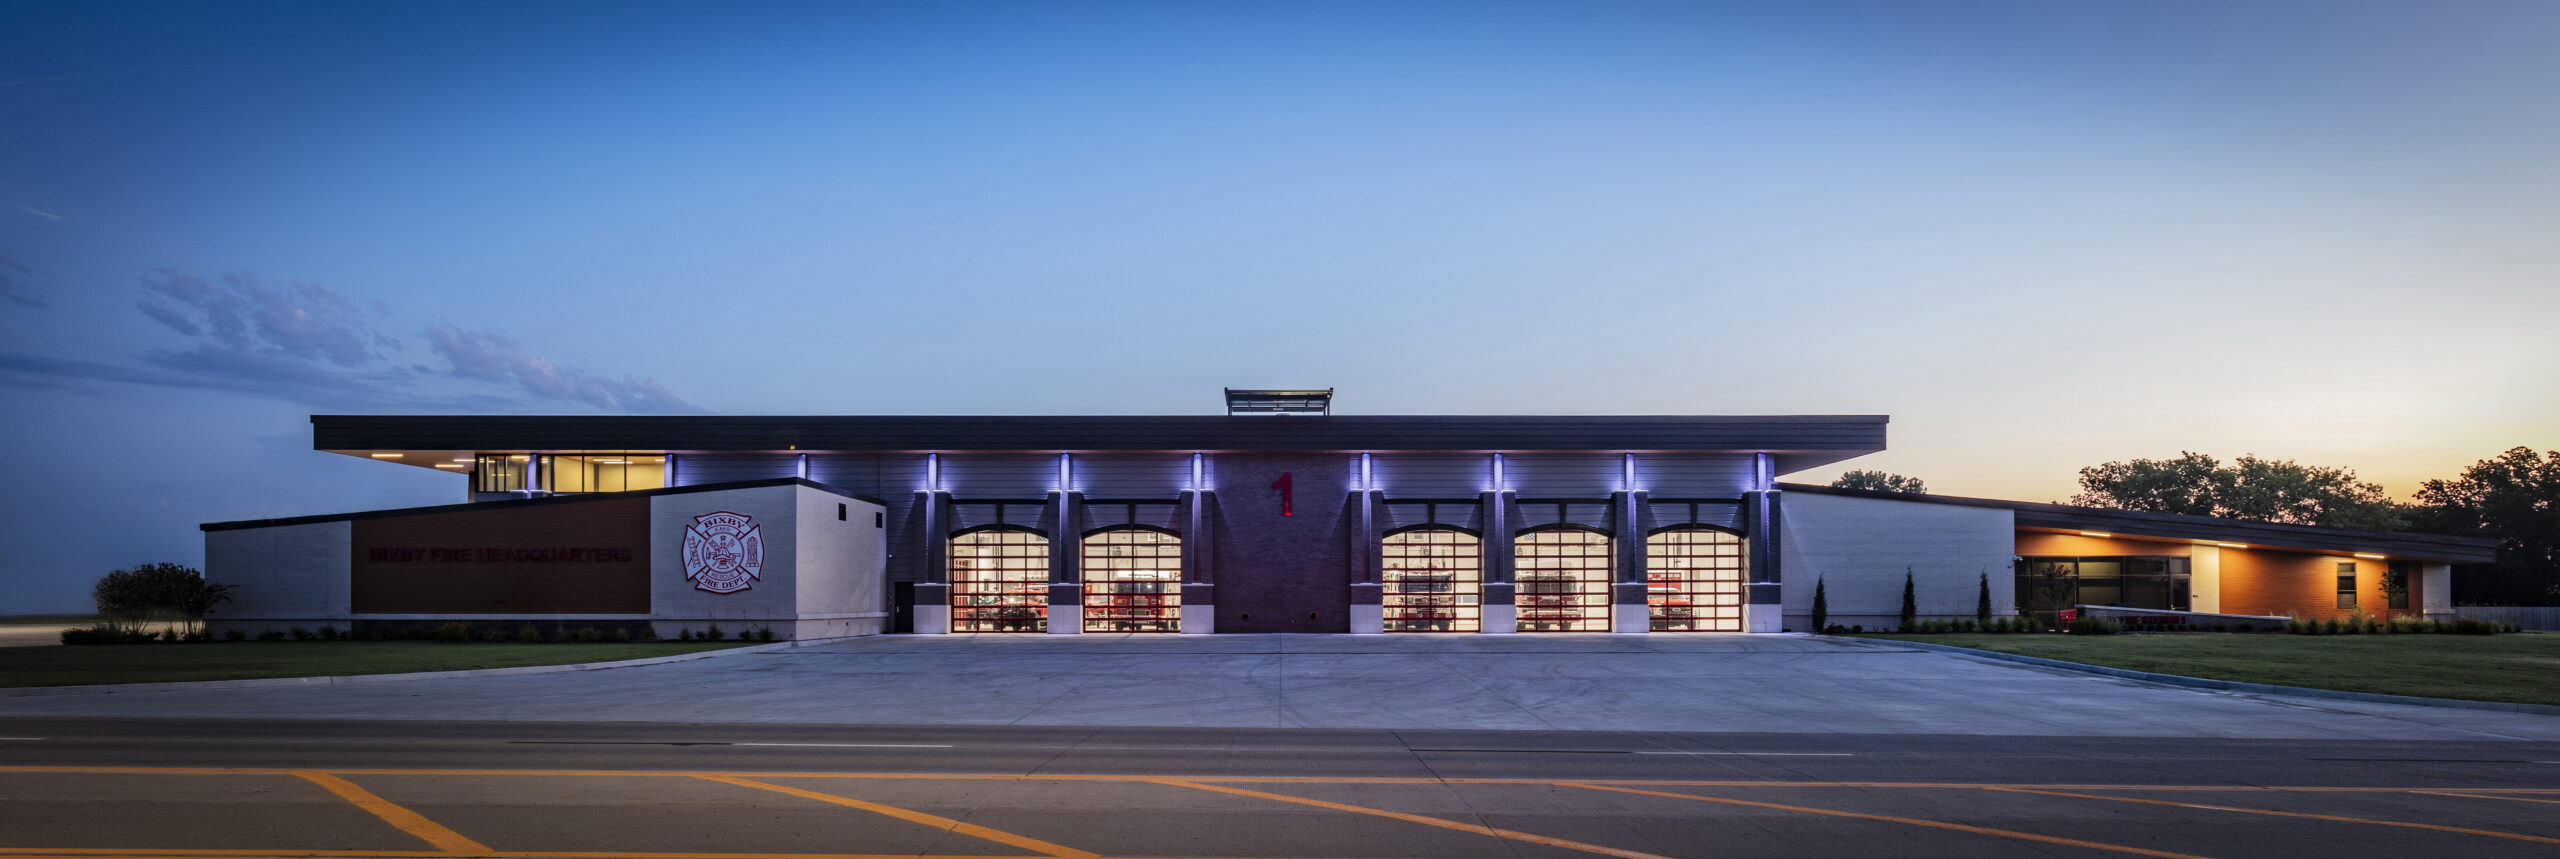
point(602, 472)
point(499, 472)
point(2346, 584)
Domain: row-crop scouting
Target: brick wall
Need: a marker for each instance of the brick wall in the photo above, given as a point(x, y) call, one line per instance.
point(1279, 573)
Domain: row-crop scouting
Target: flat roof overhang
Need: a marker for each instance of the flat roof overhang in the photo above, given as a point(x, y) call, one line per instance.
point(1798, 442)
point(2210, 530)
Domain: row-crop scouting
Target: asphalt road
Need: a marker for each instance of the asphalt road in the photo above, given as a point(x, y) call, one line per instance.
point(144, 787)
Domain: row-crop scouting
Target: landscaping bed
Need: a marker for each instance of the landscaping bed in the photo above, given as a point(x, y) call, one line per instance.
point(2519, 668)
point(165, 663)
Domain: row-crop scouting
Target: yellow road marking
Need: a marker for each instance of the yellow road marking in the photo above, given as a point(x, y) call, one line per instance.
point(1914, 821)
point(408, 821)
point(1478, 829)
point(59, 770)
point(145, 853)
point(2487, 796)
point(943, 823)
point(2301, 814)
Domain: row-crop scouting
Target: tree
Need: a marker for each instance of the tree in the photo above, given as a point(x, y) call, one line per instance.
point(1982, 600)
point(2265, 490)
point(162, 591)
point(1910, 607)
point(1821, 607)
point(2515, 498)
point(1881, 481)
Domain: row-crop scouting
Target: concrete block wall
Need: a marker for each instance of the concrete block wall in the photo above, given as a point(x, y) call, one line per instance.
point(1860, 547)
point(838, 566)
point(286, 576)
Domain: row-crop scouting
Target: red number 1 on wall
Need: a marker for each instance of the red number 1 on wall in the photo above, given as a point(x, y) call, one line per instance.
point(1285, 485)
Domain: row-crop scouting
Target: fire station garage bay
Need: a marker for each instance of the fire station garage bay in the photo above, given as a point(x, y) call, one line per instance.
point(1290, 520)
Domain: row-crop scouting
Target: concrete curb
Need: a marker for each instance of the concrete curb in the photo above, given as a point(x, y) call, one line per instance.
point(2223, 685)
point(267, 682)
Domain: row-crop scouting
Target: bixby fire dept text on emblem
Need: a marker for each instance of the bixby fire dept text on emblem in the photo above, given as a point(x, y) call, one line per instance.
point(723, 552)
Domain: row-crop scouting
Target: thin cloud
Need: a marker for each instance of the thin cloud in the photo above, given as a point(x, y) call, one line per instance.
point(13, 291)
point(311, 344)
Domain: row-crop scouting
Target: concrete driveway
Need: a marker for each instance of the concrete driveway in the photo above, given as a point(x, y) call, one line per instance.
point(1713, 683)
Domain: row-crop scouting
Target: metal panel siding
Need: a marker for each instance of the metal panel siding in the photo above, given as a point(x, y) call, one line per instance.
point(1132, 475)
point(974, 514)
point(859, 472)
point(698, 469)
point(1534, 513)
point(1468, 515)
point(1721, 514)
point(1694, 475)
point(999, 475)
point(1155, 514)
point(1563, 475)
point(1428, 476)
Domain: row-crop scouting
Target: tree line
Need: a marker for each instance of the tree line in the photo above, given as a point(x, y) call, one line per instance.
point(2513, 497)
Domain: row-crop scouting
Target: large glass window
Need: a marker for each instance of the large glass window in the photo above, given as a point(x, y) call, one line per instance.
point(1564, 580)
point(500, 472)
point(2346, 584)
point(602, 472)
point(1132, 581)
point(1432, 580)
point(1693, 580)
point(1000, 581)
point(2047, 585)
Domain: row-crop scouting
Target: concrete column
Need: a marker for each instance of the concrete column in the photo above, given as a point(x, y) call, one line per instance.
point(1199, 594)
point(1628, 611)
point(1499, 612)
point(2204, 579)
point(1368, 594)
point(1762, 610)
point(1066, 566)
point(933, 591)
point(2435, 591)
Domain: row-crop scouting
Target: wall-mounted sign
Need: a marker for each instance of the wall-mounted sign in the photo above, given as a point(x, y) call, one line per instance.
point(1288, 489)
point(723, 552)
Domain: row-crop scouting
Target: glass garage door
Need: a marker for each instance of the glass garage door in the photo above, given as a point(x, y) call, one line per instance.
point(1563, 581)
point(999, 582)
point(1431, 581)
point(1132, 581)
point(1693, 580)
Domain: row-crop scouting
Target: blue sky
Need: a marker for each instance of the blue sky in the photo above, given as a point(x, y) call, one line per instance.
point(2039, 235)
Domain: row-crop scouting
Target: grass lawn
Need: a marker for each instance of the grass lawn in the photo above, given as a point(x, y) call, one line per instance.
point(2522, 668)
point(83, 665)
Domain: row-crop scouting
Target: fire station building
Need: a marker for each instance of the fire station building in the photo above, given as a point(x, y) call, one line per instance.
point(1276, 517)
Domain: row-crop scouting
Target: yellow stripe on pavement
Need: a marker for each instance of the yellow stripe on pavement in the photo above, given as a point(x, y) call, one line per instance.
point(2438, 827)
point(1476, 828)
point(1912, 821)
point(408, 821)
point(944, 823)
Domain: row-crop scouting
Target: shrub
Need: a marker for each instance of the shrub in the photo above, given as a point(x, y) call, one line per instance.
point(299, 634)
point(684, 635)
point(270, 635)
point(2467, 626)
point(711, 633)
point(199, 635)
point(106, 633)
point(1858, 629)
point(529, 634)
point(496, 635)
point(2515, 627)
point(622, 635)
point(455, 632)
point(764, 634)
point(1910, 607)
point(235, 635)
point(2219, 626)
point(589, 634)
point(1821, 606)
point(2093, 626)
point(1982, 602)
point(1835, 629)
